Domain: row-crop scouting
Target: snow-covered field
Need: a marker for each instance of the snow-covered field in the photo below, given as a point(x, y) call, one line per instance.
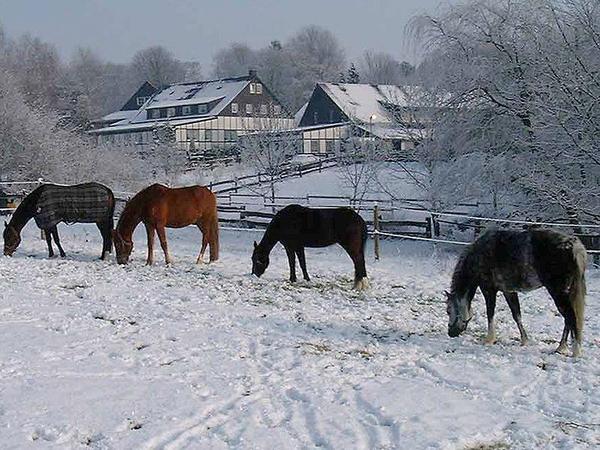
point(208, 357)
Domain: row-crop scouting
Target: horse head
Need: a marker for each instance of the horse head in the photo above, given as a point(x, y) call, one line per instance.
point(12, 239)
point(260, 260)
point(458, 308)
point(123, 247)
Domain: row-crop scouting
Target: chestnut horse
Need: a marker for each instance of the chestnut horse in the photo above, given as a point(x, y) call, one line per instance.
point(158, 206)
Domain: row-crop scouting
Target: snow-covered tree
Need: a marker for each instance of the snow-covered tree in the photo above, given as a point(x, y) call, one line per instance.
point(158, 66)
point(522, 103)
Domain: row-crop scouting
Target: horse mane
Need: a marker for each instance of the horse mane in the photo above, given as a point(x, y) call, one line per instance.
point(463, 271)
point(26, 208)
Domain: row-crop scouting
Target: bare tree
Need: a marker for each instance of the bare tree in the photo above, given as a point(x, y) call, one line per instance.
point(158, 66)
point(267, 148)
point(360, 160)
point(317, 56)
point(383, 68)
point(233, 61)
point(522, 84)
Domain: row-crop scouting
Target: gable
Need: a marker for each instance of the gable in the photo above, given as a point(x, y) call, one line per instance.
point(321, 109)
point(137, 100)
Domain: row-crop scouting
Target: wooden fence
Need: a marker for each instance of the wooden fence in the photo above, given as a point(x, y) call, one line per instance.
point(250, 212)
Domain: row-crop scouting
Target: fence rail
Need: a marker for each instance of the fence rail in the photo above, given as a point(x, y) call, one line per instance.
point(239, 213)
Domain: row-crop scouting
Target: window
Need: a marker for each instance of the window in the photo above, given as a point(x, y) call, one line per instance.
point(252, 88)
point(249, 108)
point(277, 110)
point(234, 108)
point(202, 109)
point(142, 100)
point(329, 146)
point(155, 113)
point(186, 110)
point(263, 109)
point(193, 135)
point(230, 135)
point(208, 135)
point(315, 146)
point(258, 88)
point(170, 112)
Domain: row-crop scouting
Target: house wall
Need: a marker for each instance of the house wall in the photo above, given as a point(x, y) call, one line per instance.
point(219, 133)
point(324, 140)
point(321, 110)
point(145, 90)
point(246, 97)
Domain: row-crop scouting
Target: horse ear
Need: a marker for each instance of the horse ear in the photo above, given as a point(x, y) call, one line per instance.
point(255, 244)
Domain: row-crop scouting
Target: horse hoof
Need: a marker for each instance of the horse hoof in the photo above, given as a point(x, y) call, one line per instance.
point(361, 284)
point(562, 350)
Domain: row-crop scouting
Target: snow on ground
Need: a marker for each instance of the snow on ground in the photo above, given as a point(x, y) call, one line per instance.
point(330, 181)
point(208, 357)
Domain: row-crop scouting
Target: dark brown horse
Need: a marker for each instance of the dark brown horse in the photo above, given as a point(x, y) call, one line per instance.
point(51, 204)
point(160, 207)
point(511, 261)
point(297, 227)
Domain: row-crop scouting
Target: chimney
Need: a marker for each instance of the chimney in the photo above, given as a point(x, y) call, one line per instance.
point(252, 73)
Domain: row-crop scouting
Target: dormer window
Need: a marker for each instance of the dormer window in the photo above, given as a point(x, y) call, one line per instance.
point(155, 113)
point(252, 88)
point(202, 109)
point(170, 112)
point(186, 110)
point(249, 108)
point(234, 108)
point(142, 100)
point(258, 88)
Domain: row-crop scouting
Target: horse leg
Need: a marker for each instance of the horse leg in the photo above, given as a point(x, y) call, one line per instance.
point(561, 299)
point(292, 260)
point(204, 243)
point(48, 237)
point(515, 308)
point(302, 260)
point(490, 307)
point(150, 235)
point(57, 241)
point(355, 250)
point(162, 237)
point(105, 232)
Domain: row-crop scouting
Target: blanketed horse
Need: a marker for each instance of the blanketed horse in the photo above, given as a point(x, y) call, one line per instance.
point(511, 261)
point(160, 207)
point(51, 204)
point(297, 227)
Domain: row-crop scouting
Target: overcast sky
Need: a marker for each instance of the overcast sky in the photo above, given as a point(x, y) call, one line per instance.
point(195, 29)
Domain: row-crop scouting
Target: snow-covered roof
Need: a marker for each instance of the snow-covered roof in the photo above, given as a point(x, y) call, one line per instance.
point(118, 115)
point(367, 102)
point(202, 92)
point(221, 91)
point(125, 125)
point(300, 113)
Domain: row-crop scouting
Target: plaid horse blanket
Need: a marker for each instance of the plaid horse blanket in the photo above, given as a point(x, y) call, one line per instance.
point(88, 202)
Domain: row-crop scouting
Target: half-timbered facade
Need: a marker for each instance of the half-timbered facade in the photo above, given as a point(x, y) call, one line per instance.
point(205, 115)
point(336, 111)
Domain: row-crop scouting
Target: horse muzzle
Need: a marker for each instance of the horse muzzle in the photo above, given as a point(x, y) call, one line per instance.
point(454, 331)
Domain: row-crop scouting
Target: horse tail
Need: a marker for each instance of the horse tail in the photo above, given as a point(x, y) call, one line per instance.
point(578, 289)
point(213, 235)
point(365, 236)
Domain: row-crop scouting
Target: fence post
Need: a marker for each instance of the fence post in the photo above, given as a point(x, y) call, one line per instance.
point(376, 232)
point(428, 227)
point(435, 226)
